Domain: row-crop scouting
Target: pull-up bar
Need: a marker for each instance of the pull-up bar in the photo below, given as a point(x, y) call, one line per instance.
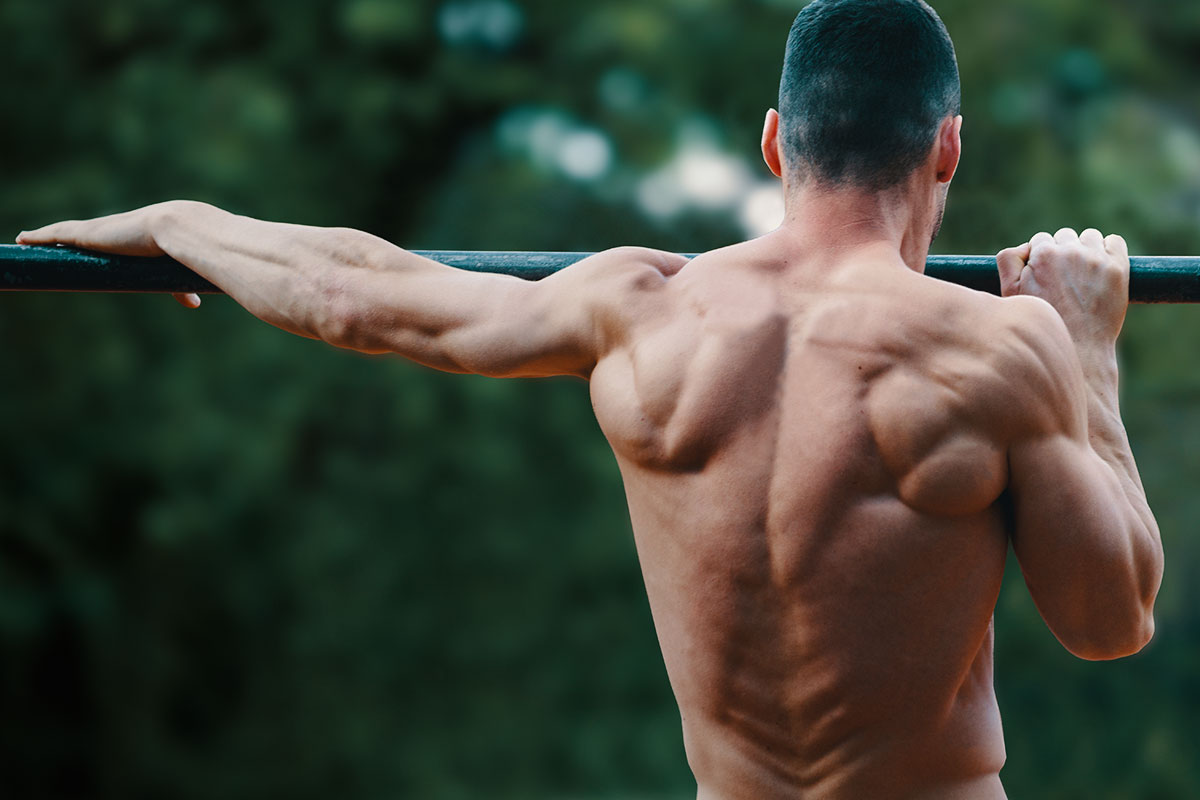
point(1154, 279)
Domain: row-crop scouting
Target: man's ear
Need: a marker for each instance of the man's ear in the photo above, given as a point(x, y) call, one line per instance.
point(949, 148)
point(771, 150)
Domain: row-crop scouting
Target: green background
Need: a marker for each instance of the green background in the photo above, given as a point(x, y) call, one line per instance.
point(238, 564)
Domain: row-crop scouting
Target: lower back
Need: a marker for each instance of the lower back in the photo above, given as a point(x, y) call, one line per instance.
point(864, 662)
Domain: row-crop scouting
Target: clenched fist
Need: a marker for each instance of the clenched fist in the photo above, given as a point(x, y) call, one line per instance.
point(1084, 276)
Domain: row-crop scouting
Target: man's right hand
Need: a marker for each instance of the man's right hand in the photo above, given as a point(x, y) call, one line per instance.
point(1085, 277)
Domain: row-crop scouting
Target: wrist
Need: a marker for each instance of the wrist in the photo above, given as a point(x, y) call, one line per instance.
point(168, 218)
point(1099, 362)
point(163, 220)
point(1094, 341)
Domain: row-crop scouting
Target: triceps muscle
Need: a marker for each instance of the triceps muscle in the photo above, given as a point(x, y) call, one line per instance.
point(466, 322)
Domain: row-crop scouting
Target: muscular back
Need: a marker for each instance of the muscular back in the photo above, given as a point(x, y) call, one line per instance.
point(813, 459)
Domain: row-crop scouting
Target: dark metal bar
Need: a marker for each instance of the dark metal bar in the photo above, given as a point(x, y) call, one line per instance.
point(1154, 279)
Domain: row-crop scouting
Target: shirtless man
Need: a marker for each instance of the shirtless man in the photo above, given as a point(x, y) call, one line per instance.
point(825, 452)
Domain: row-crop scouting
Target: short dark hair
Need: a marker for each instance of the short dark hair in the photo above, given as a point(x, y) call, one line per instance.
point(866, 85)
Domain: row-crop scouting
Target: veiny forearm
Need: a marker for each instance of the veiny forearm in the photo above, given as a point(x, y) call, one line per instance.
point(354, 290)
point(287, 275)
point(1106, 431)
point(1110, 442)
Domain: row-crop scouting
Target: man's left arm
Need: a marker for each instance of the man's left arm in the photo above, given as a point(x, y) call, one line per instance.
point(1083, 531)
point(354, 290)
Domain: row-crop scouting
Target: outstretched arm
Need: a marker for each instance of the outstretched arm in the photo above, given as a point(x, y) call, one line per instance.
point(1087, 542)
point(355, 290)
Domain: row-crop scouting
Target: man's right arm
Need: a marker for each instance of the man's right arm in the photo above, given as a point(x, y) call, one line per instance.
point(1085, 537)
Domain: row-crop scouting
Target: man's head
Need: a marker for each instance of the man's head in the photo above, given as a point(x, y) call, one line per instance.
point(867, 88)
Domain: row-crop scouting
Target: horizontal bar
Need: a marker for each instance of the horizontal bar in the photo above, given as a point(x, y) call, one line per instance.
point(1154, 279)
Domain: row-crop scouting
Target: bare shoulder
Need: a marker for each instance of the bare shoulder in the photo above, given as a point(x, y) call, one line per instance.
point(632, 267)
point(620, 287)
point(661, 261)
point(1014, 333)
point(1027, 344)
point(1034, 321)
point(1034, 336)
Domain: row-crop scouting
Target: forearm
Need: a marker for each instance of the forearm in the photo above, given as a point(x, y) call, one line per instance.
point(1106, 430)
point(1110, 442)
point(347, 287)
point(292, 276)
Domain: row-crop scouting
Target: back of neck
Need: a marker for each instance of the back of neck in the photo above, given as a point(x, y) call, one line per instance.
point(841, 221)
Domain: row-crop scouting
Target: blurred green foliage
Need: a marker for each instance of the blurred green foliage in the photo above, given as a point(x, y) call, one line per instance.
point(237, 564)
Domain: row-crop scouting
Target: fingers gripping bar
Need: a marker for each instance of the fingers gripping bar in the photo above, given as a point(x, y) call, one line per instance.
point(1153, 279)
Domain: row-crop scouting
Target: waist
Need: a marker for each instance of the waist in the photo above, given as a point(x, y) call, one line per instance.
point(905, 767)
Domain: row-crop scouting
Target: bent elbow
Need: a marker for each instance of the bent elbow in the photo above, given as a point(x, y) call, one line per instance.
point(1120, 622)
point(1113, 640)
point(337, 316)
point(337, 326)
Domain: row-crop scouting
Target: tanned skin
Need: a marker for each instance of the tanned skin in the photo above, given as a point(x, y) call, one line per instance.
point(826, 454)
